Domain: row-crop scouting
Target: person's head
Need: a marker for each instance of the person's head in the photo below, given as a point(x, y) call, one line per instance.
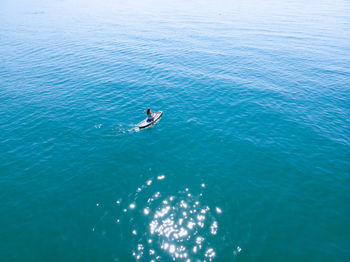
point(148, 111)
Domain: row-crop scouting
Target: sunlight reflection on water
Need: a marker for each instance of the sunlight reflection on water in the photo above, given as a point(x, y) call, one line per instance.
point(178, 226)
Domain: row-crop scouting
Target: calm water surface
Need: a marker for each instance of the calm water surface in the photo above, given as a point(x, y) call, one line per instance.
point(250, 161)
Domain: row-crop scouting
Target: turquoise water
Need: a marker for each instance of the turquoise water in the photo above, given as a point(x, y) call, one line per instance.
point(250, 161)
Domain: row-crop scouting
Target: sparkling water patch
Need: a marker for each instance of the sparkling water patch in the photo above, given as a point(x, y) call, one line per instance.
point(177, 226)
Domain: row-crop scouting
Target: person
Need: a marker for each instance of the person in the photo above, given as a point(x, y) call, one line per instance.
point(149, 115)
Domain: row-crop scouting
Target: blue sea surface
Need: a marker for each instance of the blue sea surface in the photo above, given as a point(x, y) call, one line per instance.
point(250, 161)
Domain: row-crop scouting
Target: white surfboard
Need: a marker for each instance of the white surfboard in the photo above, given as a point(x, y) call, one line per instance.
point(146, 123)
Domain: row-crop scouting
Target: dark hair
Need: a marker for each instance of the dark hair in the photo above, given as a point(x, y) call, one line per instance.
point(148, 111)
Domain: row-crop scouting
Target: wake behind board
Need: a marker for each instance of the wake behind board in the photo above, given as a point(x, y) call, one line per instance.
point(145, 123)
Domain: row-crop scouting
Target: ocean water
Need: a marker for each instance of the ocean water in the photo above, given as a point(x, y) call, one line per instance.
point(250, 161)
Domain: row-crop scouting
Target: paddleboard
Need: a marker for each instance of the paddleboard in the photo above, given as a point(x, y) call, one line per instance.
point(146, 123)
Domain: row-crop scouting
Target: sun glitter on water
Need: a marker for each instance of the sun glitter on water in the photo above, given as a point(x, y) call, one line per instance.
point(179, 226)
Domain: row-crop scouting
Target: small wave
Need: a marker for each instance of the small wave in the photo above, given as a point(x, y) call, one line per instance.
point(125, 129)
point(192, 120)
point(134, 128)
